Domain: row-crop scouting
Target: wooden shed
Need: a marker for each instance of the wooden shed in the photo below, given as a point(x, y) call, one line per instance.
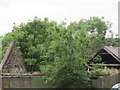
point(110, 57)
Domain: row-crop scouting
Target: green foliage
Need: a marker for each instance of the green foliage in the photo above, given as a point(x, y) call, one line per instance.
point(97, 29)
point(97, 59)
point(112, 42)
point(60, 52)
point(98, 25)
point(101, 72)
point(95, 74)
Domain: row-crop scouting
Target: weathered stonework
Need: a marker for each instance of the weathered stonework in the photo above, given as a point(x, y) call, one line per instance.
point(13, 73)
point(12, 61)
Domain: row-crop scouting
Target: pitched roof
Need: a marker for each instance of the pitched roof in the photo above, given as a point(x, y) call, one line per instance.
point(113, 51)
point(13, 54)
point(6, 55)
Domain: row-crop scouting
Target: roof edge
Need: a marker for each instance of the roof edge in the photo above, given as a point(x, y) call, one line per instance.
point(6, 54)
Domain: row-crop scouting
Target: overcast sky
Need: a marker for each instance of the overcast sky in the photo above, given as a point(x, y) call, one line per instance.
point(19, 11)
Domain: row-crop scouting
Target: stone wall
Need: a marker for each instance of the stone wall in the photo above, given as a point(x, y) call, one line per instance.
point(16, 82)
point(27, 82)
point(21, 82)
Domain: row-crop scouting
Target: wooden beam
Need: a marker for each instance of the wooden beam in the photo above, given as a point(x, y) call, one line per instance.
point(104, 53)
point(107, 64)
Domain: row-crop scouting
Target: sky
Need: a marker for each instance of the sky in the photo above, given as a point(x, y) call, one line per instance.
point(20, 11)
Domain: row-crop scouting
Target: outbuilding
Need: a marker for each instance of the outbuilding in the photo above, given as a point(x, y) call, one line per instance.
point(108, 56)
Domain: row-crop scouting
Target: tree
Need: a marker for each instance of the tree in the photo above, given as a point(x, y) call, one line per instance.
point(61, 52)
point(71, 52)
point(97, 29)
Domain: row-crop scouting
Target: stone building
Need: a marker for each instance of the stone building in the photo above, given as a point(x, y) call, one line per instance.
point(12, 61)
point(13, 70)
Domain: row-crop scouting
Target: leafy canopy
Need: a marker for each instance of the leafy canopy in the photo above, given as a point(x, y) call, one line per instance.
point(60, 52)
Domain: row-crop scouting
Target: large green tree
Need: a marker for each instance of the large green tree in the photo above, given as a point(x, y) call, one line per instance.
point(97, 29)
point(60, 52)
